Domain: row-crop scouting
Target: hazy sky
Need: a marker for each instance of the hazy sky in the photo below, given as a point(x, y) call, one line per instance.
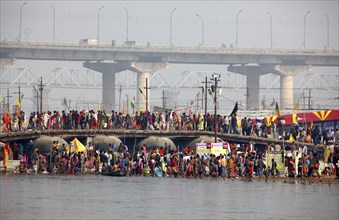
point(149, 21)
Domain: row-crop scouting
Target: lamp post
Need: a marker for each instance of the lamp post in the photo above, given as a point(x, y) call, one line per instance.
point(202, 29)
point(171, 25)
point(53, 23)
point(21, 19)
point(37, 98)
point(328, 30)
point(215, 77)
point(205, 88)
point(41, 87)
point(126, 22)
point(236, 32)
point(305, 28)
point(99, 23)
point(269, 14)
point(146, 97)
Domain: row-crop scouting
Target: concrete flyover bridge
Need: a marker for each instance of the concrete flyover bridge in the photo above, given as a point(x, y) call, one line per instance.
point(146, 60)
point(184, 136)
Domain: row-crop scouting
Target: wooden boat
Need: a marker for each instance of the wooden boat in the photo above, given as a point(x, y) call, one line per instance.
point(114, 173)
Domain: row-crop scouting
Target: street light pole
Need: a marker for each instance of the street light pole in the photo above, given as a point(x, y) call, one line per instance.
point(146, 97)
point(202, 97)
point(126, 22)
point(41, 87)
point(171, 25)
point(328, 30)
point(53, 23)
point(37, 98)
point(202, 29)
point(271, 27)
point(19, 95)
point(21, 19)
point(215, 77)
point(236, 32)
point(146, 94)
point(205, 124)
point(99, 23)
point(305, 29)
point(205, 118)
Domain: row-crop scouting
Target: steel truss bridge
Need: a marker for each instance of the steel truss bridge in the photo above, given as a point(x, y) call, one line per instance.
point(84, 78)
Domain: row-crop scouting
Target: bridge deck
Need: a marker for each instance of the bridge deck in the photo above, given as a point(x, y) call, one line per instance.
point(199, 55)
point(16, 136)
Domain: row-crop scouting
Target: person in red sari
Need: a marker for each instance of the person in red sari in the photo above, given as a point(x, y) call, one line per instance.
point(6, 119)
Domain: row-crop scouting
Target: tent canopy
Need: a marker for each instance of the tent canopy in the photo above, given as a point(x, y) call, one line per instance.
point(78, 146)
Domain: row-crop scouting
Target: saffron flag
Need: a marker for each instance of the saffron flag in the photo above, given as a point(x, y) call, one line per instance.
point(277, 110)
point(294, 119)
point(99, 106)
point(235, 109)
point(18, 103)
point(296, 107)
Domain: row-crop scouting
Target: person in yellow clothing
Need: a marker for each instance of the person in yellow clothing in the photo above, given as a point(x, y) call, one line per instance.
point(327, 153)
point(223, 167)
point(230, 165)
point(201, 122)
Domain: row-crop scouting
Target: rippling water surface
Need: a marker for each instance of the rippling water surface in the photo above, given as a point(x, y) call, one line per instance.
point(101, 197)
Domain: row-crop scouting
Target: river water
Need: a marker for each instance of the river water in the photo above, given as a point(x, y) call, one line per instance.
point(102, 197)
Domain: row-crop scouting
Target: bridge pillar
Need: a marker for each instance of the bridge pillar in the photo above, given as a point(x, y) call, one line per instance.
point(145, 71)
point(108, 71)
point(253, 81)
point(286, 83)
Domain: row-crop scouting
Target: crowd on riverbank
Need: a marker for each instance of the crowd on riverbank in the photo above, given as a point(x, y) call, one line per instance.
point(167, 121)
point(237, 163)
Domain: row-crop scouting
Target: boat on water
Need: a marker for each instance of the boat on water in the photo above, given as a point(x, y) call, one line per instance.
point(114, 173)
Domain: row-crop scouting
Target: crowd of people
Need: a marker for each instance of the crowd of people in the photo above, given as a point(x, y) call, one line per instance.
point(167, 121)
point(241, 161)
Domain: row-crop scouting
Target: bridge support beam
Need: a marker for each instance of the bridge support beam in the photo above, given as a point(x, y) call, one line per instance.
point(108, 71)
point(286, 83)
point(6, 61)
point(145, 71)
point(253, 81)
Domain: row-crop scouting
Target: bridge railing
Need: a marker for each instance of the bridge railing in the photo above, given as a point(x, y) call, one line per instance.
point(177, 49)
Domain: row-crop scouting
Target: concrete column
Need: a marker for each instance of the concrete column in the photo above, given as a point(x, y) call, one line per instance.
point(286, 91)
point(253, 86)
point(108, 91)
point(145, 71)
point(287, 73)
point(108, 71)
point(141, 83)
point(253, 81)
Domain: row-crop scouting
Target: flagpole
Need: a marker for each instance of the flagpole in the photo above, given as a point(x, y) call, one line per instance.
point(304, 121)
